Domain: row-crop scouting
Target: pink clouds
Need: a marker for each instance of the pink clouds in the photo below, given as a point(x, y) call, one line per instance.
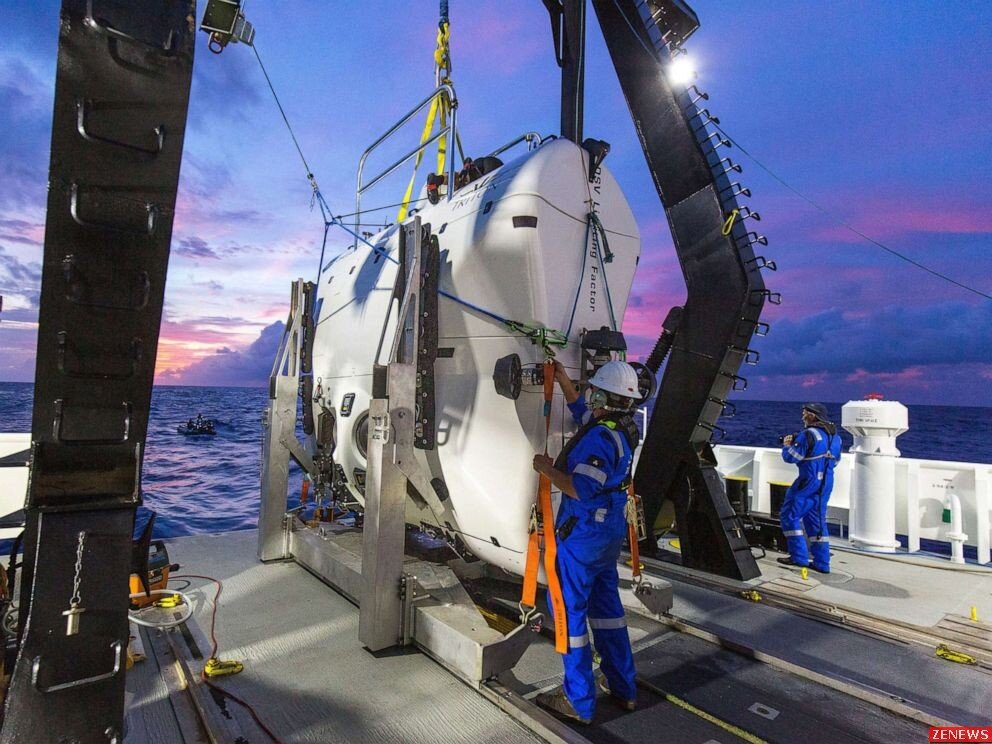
point(910, 374)
point(183, 343)
point(22, 231)
point(889, 217)
point(812, 381)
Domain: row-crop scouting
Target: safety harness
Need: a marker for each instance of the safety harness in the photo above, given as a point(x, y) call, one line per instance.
point(634, 510)
point(615, 421)
point(542, 535)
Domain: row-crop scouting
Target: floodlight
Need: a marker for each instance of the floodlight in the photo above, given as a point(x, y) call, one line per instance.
point(681, 71)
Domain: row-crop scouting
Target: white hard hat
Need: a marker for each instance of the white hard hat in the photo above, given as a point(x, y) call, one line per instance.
point(618, 378)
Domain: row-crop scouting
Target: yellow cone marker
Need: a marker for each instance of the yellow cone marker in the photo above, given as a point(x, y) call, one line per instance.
point(974, 614)
point(805, 573)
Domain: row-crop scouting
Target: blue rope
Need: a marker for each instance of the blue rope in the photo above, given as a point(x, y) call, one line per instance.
point(598, 228)
point(444, 13)
point(593, 224)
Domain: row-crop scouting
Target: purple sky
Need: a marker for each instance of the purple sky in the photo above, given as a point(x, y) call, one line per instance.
point(878, 112)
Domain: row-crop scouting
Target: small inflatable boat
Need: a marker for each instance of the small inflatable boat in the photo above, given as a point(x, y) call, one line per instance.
point(205, 427)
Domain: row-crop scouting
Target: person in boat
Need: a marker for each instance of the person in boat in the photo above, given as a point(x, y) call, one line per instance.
point(816, 450)
point(189, 424)
point(593, 473)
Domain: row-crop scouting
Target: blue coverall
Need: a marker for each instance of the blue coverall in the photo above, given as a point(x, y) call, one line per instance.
point(587, 563)
point(816, 453)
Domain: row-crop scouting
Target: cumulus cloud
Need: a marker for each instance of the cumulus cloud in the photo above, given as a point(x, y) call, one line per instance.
point(21, 231)
point(193, 247)
point(249, 367)
point(937, 384)
point(889, 339)
point(196, 247)
point(20, 285)
point(18, 275)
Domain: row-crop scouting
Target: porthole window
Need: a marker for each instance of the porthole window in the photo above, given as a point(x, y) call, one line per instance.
point(362, 433)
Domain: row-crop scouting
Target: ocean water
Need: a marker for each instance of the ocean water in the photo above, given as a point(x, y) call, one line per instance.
point(211, 484)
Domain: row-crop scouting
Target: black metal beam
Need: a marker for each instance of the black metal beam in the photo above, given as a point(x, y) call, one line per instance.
point(573, 68)
point(121, 96)
point(568, 31)
point(725, 291)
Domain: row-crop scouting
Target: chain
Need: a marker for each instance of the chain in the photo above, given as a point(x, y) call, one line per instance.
point(75, 600)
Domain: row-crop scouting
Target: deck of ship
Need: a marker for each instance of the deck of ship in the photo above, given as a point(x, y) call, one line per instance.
point(736, 669)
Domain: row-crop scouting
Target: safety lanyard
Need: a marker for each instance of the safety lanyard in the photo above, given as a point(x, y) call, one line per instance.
point(542, 534)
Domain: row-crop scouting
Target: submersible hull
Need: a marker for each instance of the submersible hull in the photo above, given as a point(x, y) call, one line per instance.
point(516, 243)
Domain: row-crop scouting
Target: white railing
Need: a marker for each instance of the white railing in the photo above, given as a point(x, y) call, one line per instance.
point(922, 488)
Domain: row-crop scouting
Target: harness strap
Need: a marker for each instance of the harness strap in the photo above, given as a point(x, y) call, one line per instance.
point(823, 477)
point(542, 531)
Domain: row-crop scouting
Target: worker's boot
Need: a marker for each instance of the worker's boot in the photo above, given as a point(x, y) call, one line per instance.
point(558, 703)
point(787, 561)
point(629, 705)
point(820, 549)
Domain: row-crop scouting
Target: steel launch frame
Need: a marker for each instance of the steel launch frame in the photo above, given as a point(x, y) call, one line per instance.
point(401, 600)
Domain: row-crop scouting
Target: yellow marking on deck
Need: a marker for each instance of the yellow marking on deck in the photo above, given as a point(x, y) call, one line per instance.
point(708, 717)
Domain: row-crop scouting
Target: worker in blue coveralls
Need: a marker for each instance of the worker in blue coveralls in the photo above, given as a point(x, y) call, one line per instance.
point(593, 473)
point(816, 450)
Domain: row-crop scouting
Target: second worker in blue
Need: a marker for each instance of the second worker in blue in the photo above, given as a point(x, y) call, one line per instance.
point(815, 450)
point(593, 473)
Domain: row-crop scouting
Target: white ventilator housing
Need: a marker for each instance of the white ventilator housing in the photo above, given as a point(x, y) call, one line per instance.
point(514, 242)
point(875, 424)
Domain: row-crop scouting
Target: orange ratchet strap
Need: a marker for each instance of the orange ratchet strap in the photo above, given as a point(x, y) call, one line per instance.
point(543, 525)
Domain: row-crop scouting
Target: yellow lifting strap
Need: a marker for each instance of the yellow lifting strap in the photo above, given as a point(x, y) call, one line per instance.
point(439, 110)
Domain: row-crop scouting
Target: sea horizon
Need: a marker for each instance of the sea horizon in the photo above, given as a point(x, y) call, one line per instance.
point(210, 484)
point(807, 399)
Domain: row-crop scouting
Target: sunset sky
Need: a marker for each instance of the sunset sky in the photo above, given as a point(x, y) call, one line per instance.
point(878, 112)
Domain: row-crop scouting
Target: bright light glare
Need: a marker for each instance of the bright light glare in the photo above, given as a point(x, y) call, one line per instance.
point(681, 71)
